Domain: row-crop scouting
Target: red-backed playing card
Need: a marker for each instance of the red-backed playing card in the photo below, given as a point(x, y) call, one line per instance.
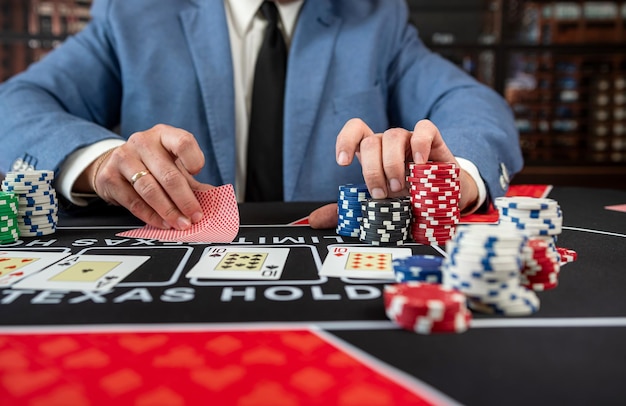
point(220, 223)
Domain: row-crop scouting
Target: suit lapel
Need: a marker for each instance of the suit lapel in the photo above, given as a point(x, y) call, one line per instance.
point(207, 36)
point(310, 56)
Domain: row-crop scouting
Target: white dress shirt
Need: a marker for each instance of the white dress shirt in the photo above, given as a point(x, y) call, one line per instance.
point(246, 28)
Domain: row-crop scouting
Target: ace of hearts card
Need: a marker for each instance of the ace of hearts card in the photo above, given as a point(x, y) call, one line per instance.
point(362, 262)
point(248, 263)
point(84, 273)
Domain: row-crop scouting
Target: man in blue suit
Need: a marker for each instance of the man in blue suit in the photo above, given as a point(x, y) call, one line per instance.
point(149, 94)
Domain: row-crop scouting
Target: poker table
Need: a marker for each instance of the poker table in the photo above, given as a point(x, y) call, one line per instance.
point(161, 338)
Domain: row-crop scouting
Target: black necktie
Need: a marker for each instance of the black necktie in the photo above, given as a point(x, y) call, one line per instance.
point(265, 138)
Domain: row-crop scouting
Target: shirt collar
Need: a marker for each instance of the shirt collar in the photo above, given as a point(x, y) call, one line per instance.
point(243, 12)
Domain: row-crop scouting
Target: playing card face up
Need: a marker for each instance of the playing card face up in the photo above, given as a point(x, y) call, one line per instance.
point(84, 273)
point(17, 265)
point(362, 262)
point(220, 223)
point(232, 262)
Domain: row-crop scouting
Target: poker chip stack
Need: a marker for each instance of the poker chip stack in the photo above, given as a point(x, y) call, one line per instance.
point(9, 230)
point(484, 262)
point(385, 221)
point(423, 268)
point(426, 308)
point(350, 212)
point(541, 265)
point(435, 195)
point(37, 213)
point(541, 220)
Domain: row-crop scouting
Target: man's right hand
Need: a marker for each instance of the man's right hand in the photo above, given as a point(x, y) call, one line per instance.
point(162, 161)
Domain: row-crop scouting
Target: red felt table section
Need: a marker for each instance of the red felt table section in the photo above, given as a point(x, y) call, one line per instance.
point(294, 367)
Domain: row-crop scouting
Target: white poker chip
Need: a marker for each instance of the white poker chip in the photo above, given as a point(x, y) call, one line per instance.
point(526, 203)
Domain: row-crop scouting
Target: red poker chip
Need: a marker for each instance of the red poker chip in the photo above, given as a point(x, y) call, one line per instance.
point(433, 179)
point(430, 199)
point(541, 269)
point(438, 164)
point(539, 260)
point(426, 308)
point(433, 199)
point(427, 239)
point(415, 192)
point(428, 183)
point(543, 280)
point(540, 264)
point(436, 213)
point(542, 286)
point(408, 314)
point(439, 239)
point(420, 218)
point(431, 237)
point(440, 174)
point(425, 182)
point(459, 325)
point(425, 295)
point(432, 165)
point(568, 254)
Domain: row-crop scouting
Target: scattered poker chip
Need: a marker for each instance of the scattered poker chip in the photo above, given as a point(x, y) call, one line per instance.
point(566, 255)
point(426, 308)
point(425, 268)
point(35, 206)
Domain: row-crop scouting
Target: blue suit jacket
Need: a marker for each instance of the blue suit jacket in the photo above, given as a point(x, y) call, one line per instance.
point(140, 63)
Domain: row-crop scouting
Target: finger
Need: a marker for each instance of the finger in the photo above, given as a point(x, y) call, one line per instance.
point(176, 203)
point(395, 148)
point(183, 145)
point(428, 144)
point(138, 156)
point(193, 183)
point(349, 140)
point(324, 217)
point(115, 189)
point(372, 165)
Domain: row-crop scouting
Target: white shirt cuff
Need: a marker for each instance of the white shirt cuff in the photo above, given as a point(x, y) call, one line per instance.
point(472, 170)
point(75, 164)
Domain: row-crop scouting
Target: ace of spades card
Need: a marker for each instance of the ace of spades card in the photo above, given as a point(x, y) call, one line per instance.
point(17, 265)
point(362, 262)
point(250, 263)
point(84, 273)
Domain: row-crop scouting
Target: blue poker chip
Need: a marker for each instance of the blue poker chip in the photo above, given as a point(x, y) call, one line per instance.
point(37, 228)
point(425, 268)
point(533, 214)
point(353, 188)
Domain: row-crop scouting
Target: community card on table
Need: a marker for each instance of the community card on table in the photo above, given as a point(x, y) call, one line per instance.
point(229, 262)
point(17, 265)
point(84, 273)
point(362, 262)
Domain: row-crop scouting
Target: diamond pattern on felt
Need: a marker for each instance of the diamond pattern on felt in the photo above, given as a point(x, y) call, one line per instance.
point(217, 379)
point(120, 382)
point(312, 381)
point(223, 345)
